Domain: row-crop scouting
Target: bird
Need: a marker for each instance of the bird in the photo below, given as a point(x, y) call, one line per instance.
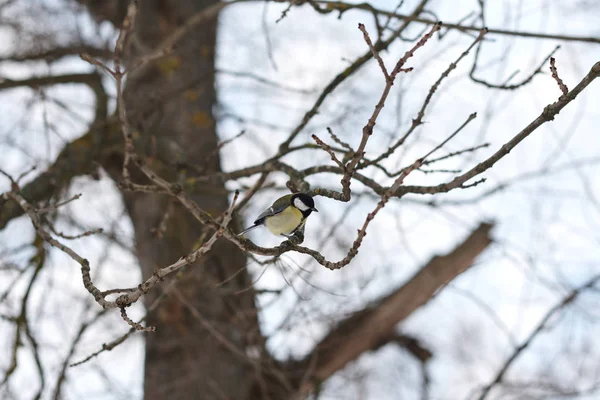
point(287, 215)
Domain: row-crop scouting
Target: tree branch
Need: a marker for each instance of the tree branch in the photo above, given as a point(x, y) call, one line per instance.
point(548, 114)
point(366, 329)
point(342, 7)
point(567, 300)
point(341, 77)
point(90, 79)
point(58, 52)
point(76, 158)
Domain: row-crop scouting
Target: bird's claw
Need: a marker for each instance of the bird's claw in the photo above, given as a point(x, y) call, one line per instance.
point(296, 237)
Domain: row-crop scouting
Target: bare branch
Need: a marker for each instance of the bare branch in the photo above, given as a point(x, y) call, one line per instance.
point(131, 297)
point(374, 51)
point(553, 70)
point(456, 153)
point(506, 86)
point(329, 151)
point(419, 118)
point(338, 140)
point(63, 370)
point(58, 52)
point(548, 114)
point(77, 158)
point(343, 6)
point(367, 130)
point(566, 301)
point(364, 330)
point(56, 206)
point(118, 75)
point(346, 73)
point(37, 82)
point(135, 325)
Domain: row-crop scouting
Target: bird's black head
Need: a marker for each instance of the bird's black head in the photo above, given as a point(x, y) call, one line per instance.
point(304, 203)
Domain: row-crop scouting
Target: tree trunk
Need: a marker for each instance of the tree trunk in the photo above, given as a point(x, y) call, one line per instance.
point(198, 350)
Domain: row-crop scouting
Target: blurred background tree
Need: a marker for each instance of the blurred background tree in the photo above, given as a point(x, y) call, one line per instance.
point(218, 97)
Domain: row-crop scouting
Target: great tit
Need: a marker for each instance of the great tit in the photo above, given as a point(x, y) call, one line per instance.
point(286, 215)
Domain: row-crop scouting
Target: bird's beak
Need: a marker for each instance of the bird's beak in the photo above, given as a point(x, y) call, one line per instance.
point(314, 209)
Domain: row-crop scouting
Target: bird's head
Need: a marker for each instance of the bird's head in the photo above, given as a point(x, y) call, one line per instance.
point(304, 203)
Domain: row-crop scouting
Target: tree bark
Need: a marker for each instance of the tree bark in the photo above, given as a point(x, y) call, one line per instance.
point(198, 351)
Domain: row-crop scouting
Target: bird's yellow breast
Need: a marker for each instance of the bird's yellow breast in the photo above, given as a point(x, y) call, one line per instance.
point(285, 222)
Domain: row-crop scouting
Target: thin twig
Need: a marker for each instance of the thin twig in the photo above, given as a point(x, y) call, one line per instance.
point(457, 153)
point(54, 207)
point(160, 230)
point(418, 120)
point(126, 28)
point(548, 114)
point(114, 343)
point(135, 325)
point(367, 130)
point(505, 85)
point(74, 237)
point(567, 300)
point(338, 140)
point(470, 118)
point(374, 51)
point(362, 232)
point(561, 84)
point(342, 76)
point(131, 297)
point(25, 173)
point(251, 191)
point(329, 151)
point(344, 6)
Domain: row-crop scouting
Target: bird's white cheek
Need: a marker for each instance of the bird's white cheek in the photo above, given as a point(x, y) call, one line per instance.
point(300, 205)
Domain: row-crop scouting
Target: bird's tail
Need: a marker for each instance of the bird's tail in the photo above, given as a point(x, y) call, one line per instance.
point(247, 230)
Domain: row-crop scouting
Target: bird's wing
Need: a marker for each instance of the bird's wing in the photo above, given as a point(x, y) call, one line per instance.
point(267, 213)
point(275, 209)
